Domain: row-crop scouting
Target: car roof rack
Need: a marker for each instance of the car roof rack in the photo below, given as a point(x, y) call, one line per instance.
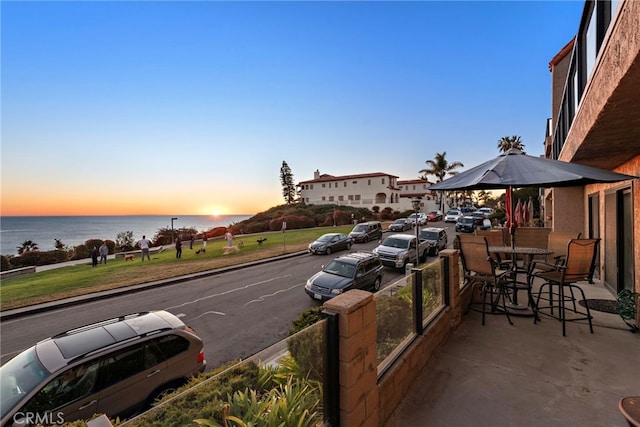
point(100, 324)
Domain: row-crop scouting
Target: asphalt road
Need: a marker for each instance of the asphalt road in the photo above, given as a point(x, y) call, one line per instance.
point(236, 313)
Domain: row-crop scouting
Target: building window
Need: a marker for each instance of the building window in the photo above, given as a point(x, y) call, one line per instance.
point(340, 198)
point(591, 47)
point(357, 197)
point(331, 198)
point(323, 185)
point(382, 181)
point(312, 186)
point(345, 184)
point(350, 197)
point(354, 182)
point(368, 182)
point(414, 187)
point(323, 198)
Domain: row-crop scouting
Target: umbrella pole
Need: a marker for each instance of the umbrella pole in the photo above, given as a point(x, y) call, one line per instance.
point(512, 218)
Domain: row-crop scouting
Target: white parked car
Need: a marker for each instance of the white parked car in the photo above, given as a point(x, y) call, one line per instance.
point(452, 215)
point(486, 211)
point(421, 218)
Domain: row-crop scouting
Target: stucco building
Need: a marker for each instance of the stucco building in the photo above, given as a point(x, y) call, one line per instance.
point(595, 121)
point(365, 190)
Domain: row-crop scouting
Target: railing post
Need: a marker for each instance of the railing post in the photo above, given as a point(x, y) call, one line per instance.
point(417, 300)
point(447, 280)
point(331, 378)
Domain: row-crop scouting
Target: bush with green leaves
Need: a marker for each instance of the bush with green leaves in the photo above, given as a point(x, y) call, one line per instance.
point(39, 258)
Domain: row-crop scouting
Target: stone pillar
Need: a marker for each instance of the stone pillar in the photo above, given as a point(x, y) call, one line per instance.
point(357, 327)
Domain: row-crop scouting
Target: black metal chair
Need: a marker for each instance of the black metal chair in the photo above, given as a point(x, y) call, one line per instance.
point(576, 267)
point(481, 270)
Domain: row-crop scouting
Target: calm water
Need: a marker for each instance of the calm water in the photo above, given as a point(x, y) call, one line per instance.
point(75, 230)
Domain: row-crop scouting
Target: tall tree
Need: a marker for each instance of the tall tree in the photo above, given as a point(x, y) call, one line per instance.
point(440, 167)
point(288, 186)
point(508, 142)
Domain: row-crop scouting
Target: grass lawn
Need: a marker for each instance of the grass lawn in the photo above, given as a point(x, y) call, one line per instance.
point(83, 279)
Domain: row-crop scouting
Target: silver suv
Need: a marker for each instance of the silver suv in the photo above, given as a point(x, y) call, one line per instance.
point(117, 367)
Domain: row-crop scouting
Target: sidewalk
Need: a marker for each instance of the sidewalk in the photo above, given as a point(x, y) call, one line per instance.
point(527, 374)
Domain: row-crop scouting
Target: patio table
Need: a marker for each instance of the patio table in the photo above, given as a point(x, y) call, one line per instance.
point(514, 251)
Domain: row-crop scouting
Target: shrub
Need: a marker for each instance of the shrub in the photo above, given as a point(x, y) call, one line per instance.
point(5, 263)
point(294, 222)
point(80, 252)
point(39, 258)
point(124, 241)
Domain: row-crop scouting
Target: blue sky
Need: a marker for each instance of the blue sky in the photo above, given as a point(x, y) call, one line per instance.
point(191, 107)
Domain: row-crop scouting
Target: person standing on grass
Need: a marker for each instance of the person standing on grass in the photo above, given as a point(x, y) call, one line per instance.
point(191, 242)
point(104, 251)
point(178, 247)
point(204, 242)
point(144, 246)
point(229, 238)
point(94, 256)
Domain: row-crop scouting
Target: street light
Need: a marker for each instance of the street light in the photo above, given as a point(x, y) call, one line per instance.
point(416, 207)
point(172, 239)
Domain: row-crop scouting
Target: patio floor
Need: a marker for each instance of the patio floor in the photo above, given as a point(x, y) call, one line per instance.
point(526, 374)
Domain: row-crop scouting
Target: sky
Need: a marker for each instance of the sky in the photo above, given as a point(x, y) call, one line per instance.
point(126, 108)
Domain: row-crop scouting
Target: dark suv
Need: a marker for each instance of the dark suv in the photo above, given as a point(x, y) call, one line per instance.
point(436, 237)
point(366, 231)
point(466, 224)
point(358, 270)
point(117, 367)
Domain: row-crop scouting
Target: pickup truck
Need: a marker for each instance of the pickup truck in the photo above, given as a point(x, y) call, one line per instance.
point(398, 250)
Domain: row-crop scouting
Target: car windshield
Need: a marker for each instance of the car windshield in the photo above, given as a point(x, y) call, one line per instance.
point(394, 242)
point(466, 220)
point(340, 268)
point(360, 228)
point(399, 221)
point(325, 238)
point(18, 377)
point(452, 213)
point(429, 235)
point(413, 216)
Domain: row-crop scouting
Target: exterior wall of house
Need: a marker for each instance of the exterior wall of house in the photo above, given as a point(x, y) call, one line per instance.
point(605, 133)
point(367, 191)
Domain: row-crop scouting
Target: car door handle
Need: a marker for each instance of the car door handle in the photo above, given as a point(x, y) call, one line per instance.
point(153, 373)
point(93, 402)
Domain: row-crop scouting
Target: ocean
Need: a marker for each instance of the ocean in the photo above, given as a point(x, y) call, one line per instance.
point(75, 230)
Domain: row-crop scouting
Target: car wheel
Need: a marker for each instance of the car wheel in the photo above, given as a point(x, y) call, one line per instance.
point(348, 246)
point(423, 258)
point(436, 251)
point(328, 251)
point(155, 397)
point(376, 284)
point(366, 238)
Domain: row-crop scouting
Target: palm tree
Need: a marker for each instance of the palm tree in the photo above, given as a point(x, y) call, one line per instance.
point(508, 142)
point(27, 246)
point(440, 167)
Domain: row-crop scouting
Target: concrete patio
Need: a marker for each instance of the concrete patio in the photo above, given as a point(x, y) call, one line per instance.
point(527, 374)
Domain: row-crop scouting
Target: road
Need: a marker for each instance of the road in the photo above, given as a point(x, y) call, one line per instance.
point(236, 313)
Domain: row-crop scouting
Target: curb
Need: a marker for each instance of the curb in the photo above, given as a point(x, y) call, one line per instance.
point(66, 302)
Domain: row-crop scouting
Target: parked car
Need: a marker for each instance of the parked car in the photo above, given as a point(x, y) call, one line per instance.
point(400, 224)
point(366, 231)
point(452, 215)
point(398, 250)
point(435, 216)
point(436, 238)
point(420, 218)
point(116, 367)
point(478, 217)
point(486, 212)
point(357, 270)
point(330, 242)
point(466, 224)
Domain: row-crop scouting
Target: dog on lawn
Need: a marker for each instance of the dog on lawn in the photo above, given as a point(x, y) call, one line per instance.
point(228, 249)
point(201, 250)
point(128, 257)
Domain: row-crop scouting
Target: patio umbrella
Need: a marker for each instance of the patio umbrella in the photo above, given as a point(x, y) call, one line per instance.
point(516, 169)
